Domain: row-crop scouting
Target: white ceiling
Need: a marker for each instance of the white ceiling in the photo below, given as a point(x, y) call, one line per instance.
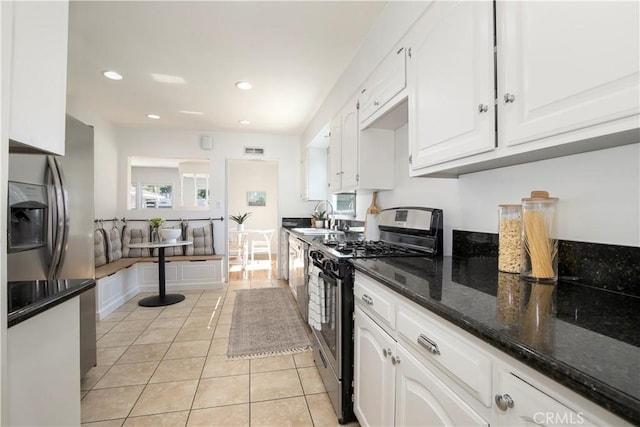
point(292, 52)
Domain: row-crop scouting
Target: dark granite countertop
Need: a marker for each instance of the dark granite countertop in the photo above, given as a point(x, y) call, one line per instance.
point(30, 298)
point(588, 340)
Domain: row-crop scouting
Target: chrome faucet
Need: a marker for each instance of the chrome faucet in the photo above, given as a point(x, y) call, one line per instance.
point(330, 216)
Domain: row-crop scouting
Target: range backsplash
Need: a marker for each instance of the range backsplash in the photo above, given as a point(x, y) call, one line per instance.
point(611, 267)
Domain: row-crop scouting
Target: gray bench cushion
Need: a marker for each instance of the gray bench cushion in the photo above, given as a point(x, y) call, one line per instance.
point(134, 235)
point(202, 238)
point(99, 250)
point(114, 244)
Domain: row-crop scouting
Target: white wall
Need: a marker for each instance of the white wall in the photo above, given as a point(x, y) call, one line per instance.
point(6, 31)
point(254, 175)
point(599, 194)
point(174, 143)
point(105, 159)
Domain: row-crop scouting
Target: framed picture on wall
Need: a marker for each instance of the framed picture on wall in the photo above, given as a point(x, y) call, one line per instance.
point(257, 198)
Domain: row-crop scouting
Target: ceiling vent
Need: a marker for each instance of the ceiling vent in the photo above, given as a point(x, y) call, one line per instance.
point(254, 151)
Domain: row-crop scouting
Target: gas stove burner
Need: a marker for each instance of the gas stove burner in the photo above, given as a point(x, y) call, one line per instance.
point(369, 248)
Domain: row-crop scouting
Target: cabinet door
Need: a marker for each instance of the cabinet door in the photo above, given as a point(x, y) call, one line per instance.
point(532, 407)
point(304, 175)
point(315, 167)
point(423, 400)
point(39, 74)
point(450, 75)
point(566, 67)
point(335, 155)
point(350, 136)
point(384, 83)
point(374, 384)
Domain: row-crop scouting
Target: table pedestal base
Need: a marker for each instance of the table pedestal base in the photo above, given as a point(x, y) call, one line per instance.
point(159, 301)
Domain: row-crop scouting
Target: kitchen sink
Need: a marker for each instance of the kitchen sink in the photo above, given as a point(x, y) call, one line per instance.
point(316, 231)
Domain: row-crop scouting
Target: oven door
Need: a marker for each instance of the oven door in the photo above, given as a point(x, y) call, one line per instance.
point(329, 335)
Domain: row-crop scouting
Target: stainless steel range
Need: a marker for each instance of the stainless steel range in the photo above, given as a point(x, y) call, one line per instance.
point(404, 232)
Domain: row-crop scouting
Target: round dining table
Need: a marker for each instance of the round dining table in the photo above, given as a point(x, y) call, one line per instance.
point(162, 298)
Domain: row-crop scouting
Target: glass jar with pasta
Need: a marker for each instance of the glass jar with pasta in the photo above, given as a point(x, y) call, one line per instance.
point(510, 238)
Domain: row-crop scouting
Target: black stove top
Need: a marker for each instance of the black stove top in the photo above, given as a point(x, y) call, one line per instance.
point(369, 249)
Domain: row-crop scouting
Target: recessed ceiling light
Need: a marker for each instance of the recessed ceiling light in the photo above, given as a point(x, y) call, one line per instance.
point(197, 113)
point(153, 116)
point(113, 75)
point(244, 122)
point(165, 78)
point(244, 85)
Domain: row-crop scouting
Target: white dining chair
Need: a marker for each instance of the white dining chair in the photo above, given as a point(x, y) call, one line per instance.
point(238, 249)
point(262, 246)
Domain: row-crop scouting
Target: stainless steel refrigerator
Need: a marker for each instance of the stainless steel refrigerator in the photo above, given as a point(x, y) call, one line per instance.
point(50, 229)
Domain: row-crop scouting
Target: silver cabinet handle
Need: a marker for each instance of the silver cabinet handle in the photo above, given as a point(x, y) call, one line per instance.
point(509, 98)
point(483, 108)
point(366, 298)
point(504, 402)
point(395, 360)
point(386, 352)
point(376, 103)
point(430, 345)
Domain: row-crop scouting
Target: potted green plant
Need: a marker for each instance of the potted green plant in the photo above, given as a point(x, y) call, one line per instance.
point(319, 218)
point(155, 223)
point(240, 219)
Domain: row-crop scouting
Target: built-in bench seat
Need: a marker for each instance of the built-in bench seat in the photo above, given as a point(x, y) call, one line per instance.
point(120, 280)
point(115, 266)
point(122, 272)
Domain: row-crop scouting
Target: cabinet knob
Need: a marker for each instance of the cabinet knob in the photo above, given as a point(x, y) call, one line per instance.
point(395, 360)
point(366, 298)
point(509, 98)
point(483, 108)
point(386, 352)
point(504, 402)
point(376, 103)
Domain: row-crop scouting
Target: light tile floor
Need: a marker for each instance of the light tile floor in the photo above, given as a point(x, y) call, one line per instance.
point(167, 366)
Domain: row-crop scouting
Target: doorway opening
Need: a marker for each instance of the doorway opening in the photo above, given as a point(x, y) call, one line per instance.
point(252, 191)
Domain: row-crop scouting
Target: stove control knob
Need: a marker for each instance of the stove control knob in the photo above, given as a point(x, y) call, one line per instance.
point(316, 255)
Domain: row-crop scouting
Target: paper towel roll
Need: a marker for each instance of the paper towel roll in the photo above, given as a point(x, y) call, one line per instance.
point(371, 230)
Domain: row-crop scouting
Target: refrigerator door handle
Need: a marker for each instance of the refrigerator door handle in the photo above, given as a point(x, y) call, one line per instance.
point(57, 219)
point(66, 217)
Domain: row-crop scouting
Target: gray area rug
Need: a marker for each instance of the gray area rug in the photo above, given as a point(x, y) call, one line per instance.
point(265, 323)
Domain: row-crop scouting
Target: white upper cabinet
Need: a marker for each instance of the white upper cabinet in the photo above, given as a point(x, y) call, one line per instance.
point(451, 83)
point(565, 81)
point(313, 166)
point(39, 74)
point(386, 81)
point(359, 159)
point(314, 174)
point(335, 155)
point(350, 137)
point(566, 70)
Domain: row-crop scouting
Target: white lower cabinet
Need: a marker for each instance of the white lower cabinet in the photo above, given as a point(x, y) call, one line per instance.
point(519, 403)
point(43, 368)
point(446, 376)
point(374, 374)
point(393, 388)
point(422, 399)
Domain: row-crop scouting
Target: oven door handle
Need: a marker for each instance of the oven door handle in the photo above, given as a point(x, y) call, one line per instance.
point(328, 279)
